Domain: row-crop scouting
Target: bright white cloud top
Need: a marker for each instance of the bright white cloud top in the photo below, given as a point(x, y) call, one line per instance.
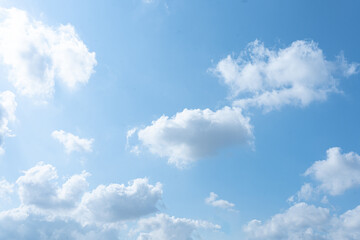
point(72, 142)
point(338, 172)
point(213, 200)
point(36, 54)
point(194, 134)
point(69, 210)
point(296, 75)
point(304, 221)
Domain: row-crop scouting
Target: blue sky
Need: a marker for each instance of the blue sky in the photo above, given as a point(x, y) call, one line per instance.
point(164, 119)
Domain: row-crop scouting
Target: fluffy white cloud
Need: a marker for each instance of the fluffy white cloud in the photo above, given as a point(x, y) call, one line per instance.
point(7, 114)
point(38, 187)
point(164, 227)
point(36, 54)
point(299, 222)
point(71, 142)
point(303, 221)
point(338, 172)
point(193, 134)
point(49, 210)
point(215, 202)
point(296, 75)
point(115, 202)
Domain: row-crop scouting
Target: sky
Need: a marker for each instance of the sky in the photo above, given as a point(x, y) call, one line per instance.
point(179, 120)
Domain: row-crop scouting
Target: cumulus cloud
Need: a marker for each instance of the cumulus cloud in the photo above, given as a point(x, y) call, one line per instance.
point(295, 75)
point(194, 134)
point(7, 115)
point(215, 202)
point(36, 54)
point(164, 227)
point(301, 221)
point(50, 210)
point(137, 199)
point(338, 172)
point(39, 189)
point(71, 142)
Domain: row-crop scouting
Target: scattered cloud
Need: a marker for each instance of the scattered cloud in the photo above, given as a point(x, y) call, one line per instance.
point(338, 172)
point(194, 134)
point(6, 189)
point(7, 114)
point(213, 200)
point(296, 75)
point(164, 227)
point(73, 143)
point(36, 54)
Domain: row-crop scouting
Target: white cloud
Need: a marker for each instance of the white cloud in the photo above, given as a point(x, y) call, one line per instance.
point(306, 193)
point(215, 202)
point(50, 210)
point(303, 221)
point(338, 172)
point(36, 54)
point(164, 227)
point(38, 187)
point(116, 202)
point(7, 114)
point(71, 142)
point(193, 134)
point(296, 75)
point(299, 222)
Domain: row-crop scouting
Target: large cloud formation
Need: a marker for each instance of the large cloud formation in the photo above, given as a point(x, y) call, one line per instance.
point(295, 75)
point(307, 222)
point(36, 54)
point(194, 134)
point(260, 77)
point(50, 210)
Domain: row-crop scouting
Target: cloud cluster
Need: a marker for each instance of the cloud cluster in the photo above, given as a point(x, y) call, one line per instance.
point(36, 54)
point(335, 175)
point(194, 134)
point(303, 221)
point(295, 75)
point(50, 210)
point(260, 77)
point(164, 227)
point(213, 200)
point(71, 142)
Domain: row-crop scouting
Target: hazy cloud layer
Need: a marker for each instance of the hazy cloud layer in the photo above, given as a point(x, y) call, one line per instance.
point(7, 115)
